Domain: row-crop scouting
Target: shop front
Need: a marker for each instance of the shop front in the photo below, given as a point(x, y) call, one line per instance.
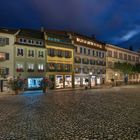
point(91, 80)
point(34, 83)
point(59, 81)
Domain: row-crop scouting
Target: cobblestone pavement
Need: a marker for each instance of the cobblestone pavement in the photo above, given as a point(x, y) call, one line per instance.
point(103, 114)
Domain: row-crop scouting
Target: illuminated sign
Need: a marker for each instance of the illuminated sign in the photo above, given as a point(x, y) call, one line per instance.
point(88, 42)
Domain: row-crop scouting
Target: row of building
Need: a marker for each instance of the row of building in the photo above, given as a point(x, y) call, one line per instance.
point(68, 59)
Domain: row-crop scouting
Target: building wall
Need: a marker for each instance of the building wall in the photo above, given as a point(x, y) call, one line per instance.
point(10, 50)
point(111, 59)
point(56, 60)
point(25, 60)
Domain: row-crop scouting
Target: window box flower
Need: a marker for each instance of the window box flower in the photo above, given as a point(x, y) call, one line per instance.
point(19, 70)
point(41, 70)
point(30, 70)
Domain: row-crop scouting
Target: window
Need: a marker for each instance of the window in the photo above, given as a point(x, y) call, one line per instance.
point(40, 54)
point(85, 61)
point(103, 54)
point(77, 60)
point(97, 54)
point(19, 67)
point(2, 56)
point(40, 67)
point(88, 51)
point(31, 53)
point(67, 67)
point(51, 52)
point(100, 54)
point(84, 50)
point(133, 58)
point(20, 52)
point(30, 67)
point(59, 67)
point(125, 56)
point(51, 66)
point(59, 53)
point(120, 56)
point(68, 54)
point(109, 53)
point(4, 41)
point(77, 70)
point(76, 49)
point(129, 57)
point(81, 50)
point(93, 53)
point(115, 54)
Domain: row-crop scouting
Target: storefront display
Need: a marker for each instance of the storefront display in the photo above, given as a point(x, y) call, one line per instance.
point(85, 81)
point(98, 80)
point(77, 81)
point(34, 82)
point(93, 81)
point(59, 81)
point(68, 81)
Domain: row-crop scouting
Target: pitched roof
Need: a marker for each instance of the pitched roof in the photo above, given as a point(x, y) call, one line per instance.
point(8, 30)
point(30, 33)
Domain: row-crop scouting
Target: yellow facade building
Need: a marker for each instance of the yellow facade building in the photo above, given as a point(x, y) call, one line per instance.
point(59, 59)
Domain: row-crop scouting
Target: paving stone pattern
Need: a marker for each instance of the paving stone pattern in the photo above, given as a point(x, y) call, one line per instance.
point(103, 114)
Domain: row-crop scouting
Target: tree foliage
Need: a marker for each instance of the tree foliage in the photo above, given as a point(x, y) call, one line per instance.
point(125, 68)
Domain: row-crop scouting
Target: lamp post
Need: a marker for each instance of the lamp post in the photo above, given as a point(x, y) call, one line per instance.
point(116, 79)
point(90, 74)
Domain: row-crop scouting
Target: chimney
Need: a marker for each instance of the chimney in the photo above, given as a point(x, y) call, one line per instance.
point(42, 29)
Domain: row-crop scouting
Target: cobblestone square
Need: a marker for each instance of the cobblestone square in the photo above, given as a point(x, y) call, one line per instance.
point(97, 114)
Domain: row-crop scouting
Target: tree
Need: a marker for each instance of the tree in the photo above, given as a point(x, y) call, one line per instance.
point(125, 68)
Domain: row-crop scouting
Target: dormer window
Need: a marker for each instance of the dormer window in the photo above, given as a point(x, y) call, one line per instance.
point(25, 40)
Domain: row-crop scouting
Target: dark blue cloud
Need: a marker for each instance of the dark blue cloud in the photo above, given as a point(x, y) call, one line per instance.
point(109, 20)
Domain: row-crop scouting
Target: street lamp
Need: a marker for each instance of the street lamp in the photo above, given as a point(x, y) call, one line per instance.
point(90, 74)
point(116, 79)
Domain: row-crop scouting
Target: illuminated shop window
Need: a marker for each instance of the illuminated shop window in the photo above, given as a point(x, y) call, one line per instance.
point(68, 81)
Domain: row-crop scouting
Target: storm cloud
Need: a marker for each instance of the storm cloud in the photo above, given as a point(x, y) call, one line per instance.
point(109, 20)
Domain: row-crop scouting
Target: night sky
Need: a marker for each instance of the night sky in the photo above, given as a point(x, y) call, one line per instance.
point(113, 21)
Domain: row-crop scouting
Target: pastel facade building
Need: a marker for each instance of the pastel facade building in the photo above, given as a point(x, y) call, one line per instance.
point(59, 59)
point(89, 61)
point(117, 54)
